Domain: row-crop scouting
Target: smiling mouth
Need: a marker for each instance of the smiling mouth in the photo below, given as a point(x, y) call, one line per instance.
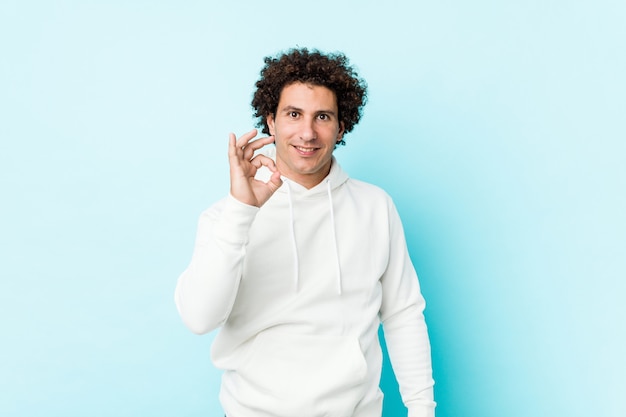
point(304, 150)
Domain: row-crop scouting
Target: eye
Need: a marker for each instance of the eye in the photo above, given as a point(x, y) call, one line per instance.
point(324, 116)
point(293, 114)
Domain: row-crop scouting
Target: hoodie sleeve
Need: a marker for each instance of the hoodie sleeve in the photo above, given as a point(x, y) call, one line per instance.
point(404, 325)
point(206, 290)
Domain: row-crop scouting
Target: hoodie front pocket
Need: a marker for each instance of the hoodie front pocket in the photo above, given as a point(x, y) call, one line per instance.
point(287, 375)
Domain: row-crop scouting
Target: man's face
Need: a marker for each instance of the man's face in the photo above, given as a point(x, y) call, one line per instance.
point(306, 129)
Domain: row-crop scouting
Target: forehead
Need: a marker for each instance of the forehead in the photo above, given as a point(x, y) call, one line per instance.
point(308, 97)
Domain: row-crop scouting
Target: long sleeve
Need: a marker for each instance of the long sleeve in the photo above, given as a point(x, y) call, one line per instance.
point(405, 328)
point(206, 290)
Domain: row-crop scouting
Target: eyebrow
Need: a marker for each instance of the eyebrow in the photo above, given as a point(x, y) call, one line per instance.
point(294, 108)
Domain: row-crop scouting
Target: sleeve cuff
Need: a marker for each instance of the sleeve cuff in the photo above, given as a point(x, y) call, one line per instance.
point(235, 221)
point(421, 411)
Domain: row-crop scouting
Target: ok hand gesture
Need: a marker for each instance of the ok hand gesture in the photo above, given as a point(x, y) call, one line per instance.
point(244, 165)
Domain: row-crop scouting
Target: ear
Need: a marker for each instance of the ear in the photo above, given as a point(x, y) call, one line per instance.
point(342, 129)
point(269, 119)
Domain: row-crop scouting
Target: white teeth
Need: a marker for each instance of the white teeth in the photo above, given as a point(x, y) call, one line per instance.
point(305, 149)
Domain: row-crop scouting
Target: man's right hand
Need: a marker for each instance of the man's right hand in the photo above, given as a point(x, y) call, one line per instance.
point(244, 165)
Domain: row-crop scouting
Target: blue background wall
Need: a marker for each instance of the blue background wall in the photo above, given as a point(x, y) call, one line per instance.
point(498, 128)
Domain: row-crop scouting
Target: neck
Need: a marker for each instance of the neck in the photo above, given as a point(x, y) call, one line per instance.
point(308, 181)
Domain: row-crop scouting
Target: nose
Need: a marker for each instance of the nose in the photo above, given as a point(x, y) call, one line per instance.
point(307, 132)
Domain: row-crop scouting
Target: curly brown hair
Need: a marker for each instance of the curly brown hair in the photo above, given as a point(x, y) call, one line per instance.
point(332, 71)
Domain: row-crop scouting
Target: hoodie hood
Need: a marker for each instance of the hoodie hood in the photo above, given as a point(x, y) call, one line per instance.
point(294, 191)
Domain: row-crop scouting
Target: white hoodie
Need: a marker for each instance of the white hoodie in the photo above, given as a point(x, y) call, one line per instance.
point(299, 287)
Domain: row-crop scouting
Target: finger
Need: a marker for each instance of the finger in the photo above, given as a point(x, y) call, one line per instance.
point(233, 150)
point(262, 160)
point(232, 141)
point(275, 180)
point(248, 151)
point(245, 138)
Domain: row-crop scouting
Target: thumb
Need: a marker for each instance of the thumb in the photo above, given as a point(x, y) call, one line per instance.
point(275, 181)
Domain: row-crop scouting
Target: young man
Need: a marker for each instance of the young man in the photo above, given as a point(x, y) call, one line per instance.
point(300, 264)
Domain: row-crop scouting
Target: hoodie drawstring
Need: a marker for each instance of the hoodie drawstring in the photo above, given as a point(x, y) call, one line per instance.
point(332, 222)
point(294, 246)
